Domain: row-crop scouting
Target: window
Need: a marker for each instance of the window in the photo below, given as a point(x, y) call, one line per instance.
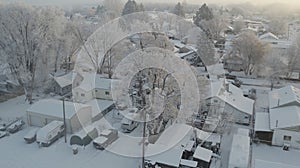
point(82, 94)
point(106, 93)
point(287, 138)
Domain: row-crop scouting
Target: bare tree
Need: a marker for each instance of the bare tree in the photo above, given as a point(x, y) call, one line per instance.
point(26, 35)
point(251, 49)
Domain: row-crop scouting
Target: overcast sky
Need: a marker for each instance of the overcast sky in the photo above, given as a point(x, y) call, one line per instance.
point(68, 2)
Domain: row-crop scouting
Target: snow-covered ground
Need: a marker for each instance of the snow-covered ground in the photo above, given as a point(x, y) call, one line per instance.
point(275, 154)
point(15, 153)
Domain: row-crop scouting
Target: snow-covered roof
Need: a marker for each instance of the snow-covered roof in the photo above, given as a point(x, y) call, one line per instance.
point(52, 107)
point(169, 157)
point(284, 96)
point(234, 96)
point(262, 121)
point(239, 153)
point(85, 131)
point(243, 131)
point(264, 164)
point(268, 36)
point(285, 117)
point(183, 55)
point(65, 80)
point(92, 81)
point(202, 154)
point(173, 134)
point(177, 43)
point(99, 105)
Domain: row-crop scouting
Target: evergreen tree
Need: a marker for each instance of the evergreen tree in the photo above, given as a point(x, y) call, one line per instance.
point(178, 10)
point(204, 13)
point(100, 9)
point(130, 7)
point(141, 8)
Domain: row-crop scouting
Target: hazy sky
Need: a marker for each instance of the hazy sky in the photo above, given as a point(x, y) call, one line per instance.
point(68, 2)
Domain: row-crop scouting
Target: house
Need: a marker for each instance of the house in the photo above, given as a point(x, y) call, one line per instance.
point(240, 151)
point(93, 86)
point(233, 63)
point(228, 99)
point(63, 84)
point(44, 111)
point(176, 148)
point(282, 122)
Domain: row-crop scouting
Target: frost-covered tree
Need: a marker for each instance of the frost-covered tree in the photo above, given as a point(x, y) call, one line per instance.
point(293, 56)
point(26, 37)
point(130, 7)
point(205, 50)
point(204, 13)
point(214, 26)
point(179, 10)
point(113, 6)
point(251, 49)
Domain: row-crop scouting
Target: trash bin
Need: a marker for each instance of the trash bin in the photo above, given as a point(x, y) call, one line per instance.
point(75, 150)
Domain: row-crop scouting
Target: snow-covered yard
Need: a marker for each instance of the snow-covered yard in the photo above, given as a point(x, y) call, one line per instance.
point(275, 154)
point(15, 153)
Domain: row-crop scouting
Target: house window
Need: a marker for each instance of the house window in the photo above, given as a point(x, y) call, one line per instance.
point(106, 93)
point(287, 138)
point(82, 94)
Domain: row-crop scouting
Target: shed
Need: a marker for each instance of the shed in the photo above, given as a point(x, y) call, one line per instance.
point(240, 152)
point(202, 154)
point(84, 137)
point(44, 111)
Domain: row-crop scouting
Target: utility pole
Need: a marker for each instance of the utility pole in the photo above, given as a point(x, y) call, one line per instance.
point(64, 116)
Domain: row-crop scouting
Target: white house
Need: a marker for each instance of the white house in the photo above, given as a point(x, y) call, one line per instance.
point(284, 116)
point(44, 111)
point(229, 99)
point(63, 84)
point(93, 86)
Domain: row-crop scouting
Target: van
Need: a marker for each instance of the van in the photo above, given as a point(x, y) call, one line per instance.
point(50, 133)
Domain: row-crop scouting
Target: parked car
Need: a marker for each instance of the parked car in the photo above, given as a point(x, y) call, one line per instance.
point(30, 137)
point(106, 138)
point(128, 125)
point(15, 126)
point(3, 134)
point(50, 133)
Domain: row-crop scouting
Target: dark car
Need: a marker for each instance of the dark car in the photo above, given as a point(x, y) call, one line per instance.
point(106, 138)
point(15, 126)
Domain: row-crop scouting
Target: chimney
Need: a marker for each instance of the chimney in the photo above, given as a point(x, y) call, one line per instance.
point(278, 102)
point(227, 87)
point(276, 123)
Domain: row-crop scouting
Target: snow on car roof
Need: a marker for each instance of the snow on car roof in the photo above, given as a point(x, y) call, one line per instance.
point(106, 132)
point(100, 140)
point(85, 131)
point(202, 154)
point(52, 107)
point(43, 132)
point(284, 117)
point(262, 122)
point(31, 133)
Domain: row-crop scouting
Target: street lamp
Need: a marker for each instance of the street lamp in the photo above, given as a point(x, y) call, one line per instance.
point(64, 118)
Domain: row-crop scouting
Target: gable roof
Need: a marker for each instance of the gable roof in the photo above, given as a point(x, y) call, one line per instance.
point(268, 36)
point(284, 96)
point(52, 107)
point(285, 117)
point(92, 81)
point(262, 122)
point(233, 96)
point(65, 80)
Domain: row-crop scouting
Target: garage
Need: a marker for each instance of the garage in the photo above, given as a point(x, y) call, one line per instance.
point(44, 111)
